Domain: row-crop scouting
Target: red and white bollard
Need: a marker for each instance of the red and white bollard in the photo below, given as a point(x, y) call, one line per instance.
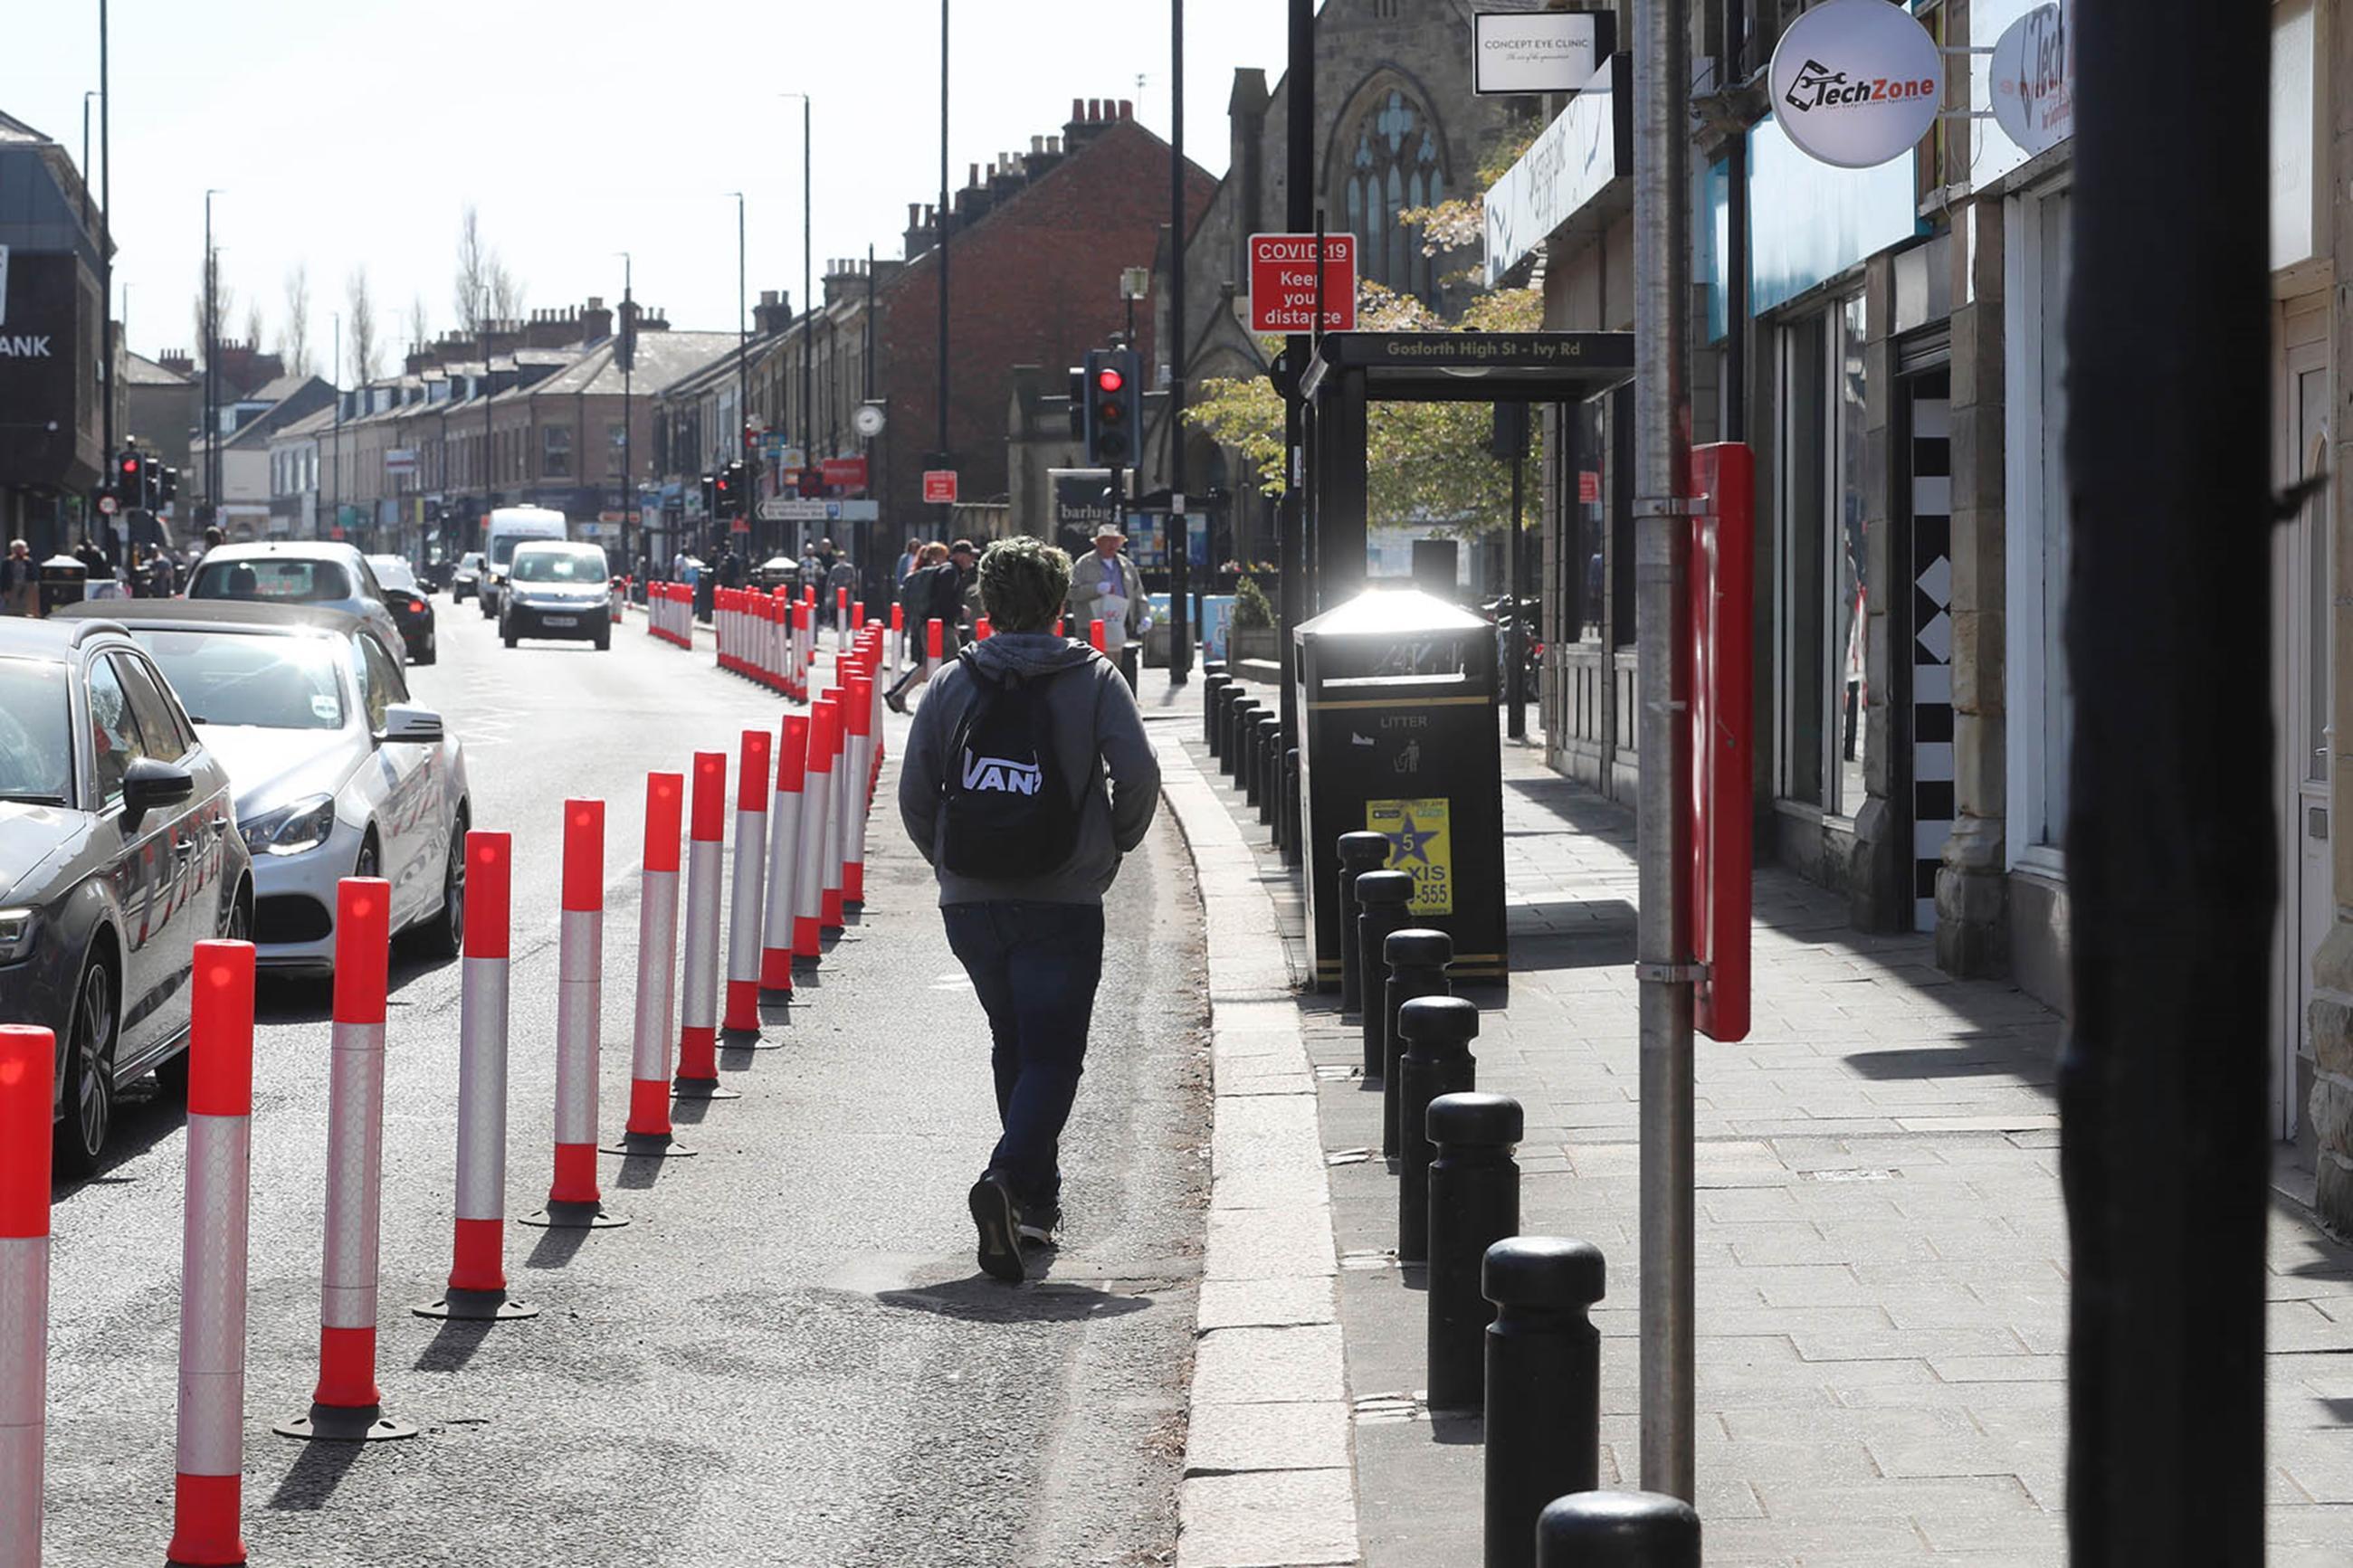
point(836, 804)
point(1095, 636)
point(29, 1065)
point(857, 618)
point(898, 639)
point(574, 1202)
point(745, 907)
point(784, 861)
point(817, 797)
point(478, 1275)
point(981, 630)
point(840, 620)
point(698, 1004)
point(648, 1130)
point(347, 1407)
point(936, 642)
point(207, 1490)
point(857, 707)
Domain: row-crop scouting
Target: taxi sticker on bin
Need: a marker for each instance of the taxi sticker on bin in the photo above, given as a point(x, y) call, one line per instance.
point(1418, 843)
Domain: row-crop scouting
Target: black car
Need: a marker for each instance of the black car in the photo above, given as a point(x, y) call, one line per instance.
point(411, 605)
point(557, 590)
point(118, 852)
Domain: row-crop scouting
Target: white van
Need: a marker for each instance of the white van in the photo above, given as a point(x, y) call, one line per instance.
point(509, 526)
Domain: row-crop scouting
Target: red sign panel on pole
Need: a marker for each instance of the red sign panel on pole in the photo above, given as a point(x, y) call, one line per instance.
point(939, 487)
point(1282, 282)
point(845, 473)
point(1720, 626)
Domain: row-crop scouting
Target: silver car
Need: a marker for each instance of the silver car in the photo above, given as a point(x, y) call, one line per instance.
point(315, 572)
point(335, 772)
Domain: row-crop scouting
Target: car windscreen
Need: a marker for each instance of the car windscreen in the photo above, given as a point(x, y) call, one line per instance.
point(280, 580)
point(503, 547)
point(250, 677)
point(393, 572)
point(36, 733)
point(569, 566)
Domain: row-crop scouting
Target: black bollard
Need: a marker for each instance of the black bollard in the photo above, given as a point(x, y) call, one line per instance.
point(1417, 960)
point(1238, 717)
point(1213, 682)
point(1437, 1033)
point(1359, 852)
point(1228, 700)
point(1247, 777)
point(1270, 762)
point(1475, 1203)
point(1617, 1530)
point(1384, 904)
point(1544, 1386)
point(1294, 853)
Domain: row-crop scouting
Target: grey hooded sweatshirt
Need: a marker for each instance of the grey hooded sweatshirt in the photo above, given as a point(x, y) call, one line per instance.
point(1097, 731)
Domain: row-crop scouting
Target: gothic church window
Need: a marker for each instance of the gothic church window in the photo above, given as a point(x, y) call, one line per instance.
point(1393, 164)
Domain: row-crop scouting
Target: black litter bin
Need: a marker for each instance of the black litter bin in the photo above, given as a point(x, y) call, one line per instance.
point(64, 581)
point(1397, 736)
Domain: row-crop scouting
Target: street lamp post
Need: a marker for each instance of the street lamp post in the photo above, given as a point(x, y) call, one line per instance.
point(804, 428)
point(335, 455)
point(946, 512)
point(743, 371)
point(1180, 641)
point(626, 346)
point(106, 229)
point(212, 359)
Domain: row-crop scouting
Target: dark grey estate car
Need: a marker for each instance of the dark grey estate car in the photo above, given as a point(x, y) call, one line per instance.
point(118, 852)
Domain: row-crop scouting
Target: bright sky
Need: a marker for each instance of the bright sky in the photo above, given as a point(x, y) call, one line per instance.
point(355, 132)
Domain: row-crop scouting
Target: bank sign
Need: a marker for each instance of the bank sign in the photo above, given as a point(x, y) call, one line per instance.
point(1856, 83)
point(20, 344)
point(49, 367)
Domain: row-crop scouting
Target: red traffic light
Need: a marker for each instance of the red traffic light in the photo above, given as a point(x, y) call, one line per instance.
point(1108, 379)
point(131, 466)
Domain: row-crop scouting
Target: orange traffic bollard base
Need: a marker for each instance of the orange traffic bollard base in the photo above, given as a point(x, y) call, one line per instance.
point(584, 1216)
point(476, 1307)
point(345, 1424)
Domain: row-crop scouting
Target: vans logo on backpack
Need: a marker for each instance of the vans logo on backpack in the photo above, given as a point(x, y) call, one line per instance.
point(1002, 774)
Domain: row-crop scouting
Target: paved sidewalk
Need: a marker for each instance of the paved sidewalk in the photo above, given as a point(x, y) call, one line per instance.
point(1883, 1254)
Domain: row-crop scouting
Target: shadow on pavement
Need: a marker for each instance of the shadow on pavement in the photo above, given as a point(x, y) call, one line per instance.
point(981, 1300)
point(557, 1246)
point(145, 1115)
point(319, 1469)
point(453, 1345)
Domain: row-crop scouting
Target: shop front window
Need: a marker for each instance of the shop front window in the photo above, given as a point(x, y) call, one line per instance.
point(1824, 687)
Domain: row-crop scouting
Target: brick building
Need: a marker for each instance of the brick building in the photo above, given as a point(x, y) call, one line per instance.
point(1037, 242)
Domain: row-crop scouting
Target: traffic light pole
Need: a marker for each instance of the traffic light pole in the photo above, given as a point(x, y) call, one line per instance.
point(1180, 636)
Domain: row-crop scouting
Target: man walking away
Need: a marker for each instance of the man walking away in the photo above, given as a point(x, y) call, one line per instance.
point(1027, 777)
point(921, 592)
point(20, 581)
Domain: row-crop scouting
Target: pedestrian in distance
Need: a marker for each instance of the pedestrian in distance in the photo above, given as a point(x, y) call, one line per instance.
point(937, 594)
point(1027, 777)
point(1106, 587)
point(841, 575)
point(909, 559)
point(20, 581)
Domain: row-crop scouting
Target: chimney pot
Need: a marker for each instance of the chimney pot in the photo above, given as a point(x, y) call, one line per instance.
point(596, 301)
point(973, 177)
point(1037, 146)
point(1078, 109)
point(1053, 146)
point(1127, 109)
point(1094, 109)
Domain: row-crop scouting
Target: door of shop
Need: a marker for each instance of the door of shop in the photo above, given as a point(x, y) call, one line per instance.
point(2300, 661)
point(1925, 680)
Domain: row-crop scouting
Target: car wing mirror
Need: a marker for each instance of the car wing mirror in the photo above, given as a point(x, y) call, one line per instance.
point(149, 784)
point(404, 725)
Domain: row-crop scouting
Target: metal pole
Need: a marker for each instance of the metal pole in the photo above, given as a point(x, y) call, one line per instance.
point(2165, 1151)
point(1180, 630)
point(942, 438)
point(1516, 678)
point(106, 227)
point(629, 371)
point(1291, 519)
point(742, 335)
point(335, 457)
point(1736, 320)
point(809, 287)
point(1662, 556)
point(212, 359)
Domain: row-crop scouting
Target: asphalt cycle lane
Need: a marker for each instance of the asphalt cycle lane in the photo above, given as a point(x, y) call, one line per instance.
point(788, 1356)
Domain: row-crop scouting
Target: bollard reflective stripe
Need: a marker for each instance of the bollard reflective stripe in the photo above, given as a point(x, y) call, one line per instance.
point(744, 905)
point(208, 1473)
point(858, 781)
point(479, 1262)
point(837, 801)
point(579, 1003)
point(784, 858)
point(649, 1039)
point(817, 793)
point(28, 1088)
point(698, 1007)
point(344, 1407)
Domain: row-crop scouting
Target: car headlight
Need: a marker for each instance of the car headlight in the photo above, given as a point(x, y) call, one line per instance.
point(293, 829)
point(17, 929)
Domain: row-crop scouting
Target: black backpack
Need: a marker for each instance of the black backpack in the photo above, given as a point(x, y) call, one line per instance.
point(1011, 813)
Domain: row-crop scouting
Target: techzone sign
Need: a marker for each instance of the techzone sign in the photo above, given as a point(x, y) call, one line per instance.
point(1282, 283)
point(1856, 83)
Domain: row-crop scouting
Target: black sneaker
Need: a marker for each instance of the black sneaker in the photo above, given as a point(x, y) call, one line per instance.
point(1037, 1224)
point(994, 1214)
point(893, 701)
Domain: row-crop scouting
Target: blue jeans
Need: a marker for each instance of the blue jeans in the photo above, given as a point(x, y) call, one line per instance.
point(1035, 967)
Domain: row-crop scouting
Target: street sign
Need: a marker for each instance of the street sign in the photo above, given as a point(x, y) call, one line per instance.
point(1282, 282)
point(783, 509)
point(845, 473)
point(939, 487)
point(106, 505)
point(1856, 83)
point(400, 460)
point(1722, 761)
point(1539, 51)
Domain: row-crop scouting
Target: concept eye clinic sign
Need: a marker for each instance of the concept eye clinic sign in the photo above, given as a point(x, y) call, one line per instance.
point(1539, 51)
point(1282, 283)
point(1856, 83)
point(2034, 79)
